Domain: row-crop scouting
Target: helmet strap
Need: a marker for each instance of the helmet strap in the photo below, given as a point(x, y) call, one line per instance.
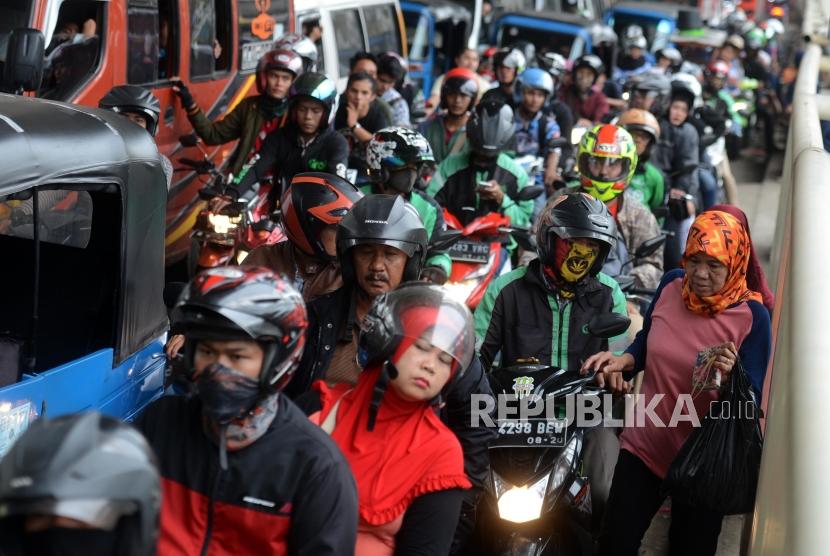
point(387, 372)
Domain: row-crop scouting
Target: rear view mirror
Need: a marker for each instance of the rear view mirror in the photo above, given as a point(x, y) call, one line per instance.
point(649, 246)
point(608, 325)
point(443, 240)
point(524, 238)
point(530, 192)
point(23, 69)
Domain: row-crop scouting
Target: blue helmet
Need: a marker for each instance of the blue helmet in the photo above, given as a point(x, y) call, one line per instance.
point(533, 78)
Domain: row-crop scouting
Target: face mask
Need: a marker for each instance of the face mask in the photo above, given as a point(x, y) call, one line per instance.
point(226, 394)
point(574, 260)
point(402, 180)
point(58, 541)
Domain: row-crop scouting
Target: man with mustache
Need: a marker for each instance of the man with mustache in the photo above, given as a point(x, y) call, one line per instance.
point(382, 243)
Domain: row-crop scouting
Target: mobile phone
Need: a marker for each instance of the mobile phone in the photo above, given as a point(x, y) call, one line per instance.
point(483, 185)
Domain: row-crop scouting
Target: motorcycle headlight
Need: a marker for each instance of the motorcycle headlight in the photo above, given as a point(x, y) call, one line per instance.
point(521, 504)
point(576, 135)
point(740, 106)
point(461, 291)
point(222, 223)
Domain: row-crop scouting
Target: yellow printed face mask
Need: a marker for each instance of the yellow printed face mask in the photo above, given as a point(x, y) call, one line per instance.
point(577, 256)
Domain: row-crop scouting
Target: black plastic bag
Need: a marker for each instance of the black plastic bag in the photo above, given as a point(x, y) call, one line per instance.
point(717, 467)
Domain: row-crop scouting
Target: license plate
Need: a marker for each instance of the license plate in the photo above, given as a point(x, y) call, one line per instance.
point(470, 251)
point(531, 432)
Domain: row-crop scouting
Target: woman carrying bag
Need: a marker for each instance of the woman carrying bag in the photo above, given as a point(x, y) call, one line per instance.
point(408, 466)
point(702, 319)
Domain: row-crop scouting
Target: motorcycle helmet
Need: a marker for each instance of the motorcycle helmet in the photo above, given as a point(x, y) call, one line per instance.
point(555, 64)
point(249, 304)
point(394, 148)
point(736, 20)
point(640, 120)
point(528, 50)
point(691, 68)
point(510, 58)
point(87, 467)
point(687, 88)
point(136, 100)
point(602, 34)
point(303, 46)
point(672, 55)
point(319, 87)
point(634, 38)
point(572, 216)
point(717, 69)
point(533, 78)
point(382, 220)
point(755, 39)
point(735, 41)
point(604, 143)
point(280, 59)
point(490, 128)
point(459, 80)
point(412, 312)
point(653, 85)
point(590, 61)
point(312, 201)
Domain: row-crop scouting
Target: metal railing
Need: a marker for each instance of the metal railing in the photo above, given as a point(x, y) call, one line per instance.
point(791, 512)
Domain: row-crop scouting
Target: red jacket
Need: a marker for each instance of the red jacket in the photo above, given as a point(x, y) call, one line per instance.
point(594, 107)
point(289, 493)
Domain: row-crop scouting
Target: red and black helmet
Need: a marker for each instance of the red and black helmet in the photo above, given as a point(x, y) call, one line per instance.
point(717, 68)
point(459, 80)
point(230, 303)
point(311, 202)
point(279, 59)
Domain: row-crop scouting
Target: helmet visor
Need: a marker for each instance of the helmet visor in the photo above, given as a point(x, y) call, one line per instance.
point(604, 168)
point(97, 513)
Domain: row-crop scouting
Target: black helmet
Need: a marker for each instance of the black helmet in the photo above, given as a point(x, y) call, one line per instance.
point(251, 304)
point(510, 58)
point(385, 220)
point(394, 148)
point(316, 86)
point(652, 84)
point(134, 99)
point(459, 80)
point(312, 201)
point(490, 128)
point(390, 65)
point(411, 312)
point(88, 467)
point(592, 62)
point(571, 216)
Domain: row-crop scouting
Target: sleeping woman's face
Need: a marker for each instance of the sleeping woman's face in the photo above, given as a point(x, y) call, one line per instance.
point(423, 370)
point(706, 274)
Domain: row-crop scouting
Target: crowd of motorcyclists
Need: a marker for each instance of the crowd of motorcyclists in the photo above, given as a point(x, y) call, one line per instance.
point(319, 397)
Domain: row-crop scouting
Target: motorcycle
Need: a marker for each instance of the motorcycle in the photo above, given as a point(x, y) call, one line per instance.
point(479, 255)
point(226, 236)
point(536, 501)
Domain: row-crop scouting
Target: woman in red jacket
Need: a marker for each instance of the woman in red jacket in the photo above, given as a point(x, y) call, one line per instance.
point(407, 464)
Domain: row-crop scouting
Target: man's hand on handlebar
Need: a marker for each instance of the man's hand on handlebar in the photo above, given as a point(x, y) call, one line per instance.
point(218, 203)
point(609, 369)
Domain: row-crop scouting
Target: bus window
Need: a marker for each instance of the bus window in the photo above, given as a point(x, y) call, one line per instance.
point(348, 34)
point(385, 33)
point(74, 53)
point(168, 39)
point(142, 41)
point(417, 33)
point(210, 34)
point(222, 47)
point(259, 24)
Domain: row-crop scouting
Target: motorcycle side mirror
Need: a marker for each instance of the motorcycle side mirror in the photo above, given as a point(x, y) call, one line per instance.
point(608, 325)
point(529, 193)
point(649, 246)
point(625, 282)
point(189, 140)
point(172, 293)
point(559, 143)
point(524, 238)
point(443, 240)
point(660, 212)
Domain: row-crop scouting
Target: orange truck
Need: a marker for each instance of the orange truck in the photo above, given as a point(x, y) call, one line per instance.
point(211, 45)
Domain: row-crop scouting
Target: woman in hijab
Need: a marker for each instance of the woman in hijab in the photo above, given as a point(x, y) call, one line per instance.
point(755, 278)
point(703, 317)
point(407, 464)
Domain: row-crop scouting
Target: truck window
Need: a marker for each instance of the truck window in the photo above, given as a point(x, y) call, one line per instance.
point(73, 55)
point(259, 24)
point(348, 34)
point(417, 35)
point(384, 31)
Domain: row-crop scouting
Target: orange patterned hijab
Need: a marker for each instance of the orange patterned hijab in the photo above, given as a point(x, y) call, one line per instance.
point(721, 236)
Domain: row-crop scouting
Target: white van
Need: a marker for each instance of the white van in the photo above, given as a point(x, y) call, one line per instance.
point(351, 26)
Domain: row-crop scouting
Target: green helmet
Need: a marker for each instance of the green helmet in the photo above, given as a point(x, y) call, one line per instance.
point(598, 149)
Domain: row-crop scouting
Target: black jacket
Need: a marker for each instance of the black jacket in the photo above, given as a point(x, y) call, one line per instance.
point(283, 155)
point(677, 154)
point(290, 492)
point(331, 317)
point(521, 319)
